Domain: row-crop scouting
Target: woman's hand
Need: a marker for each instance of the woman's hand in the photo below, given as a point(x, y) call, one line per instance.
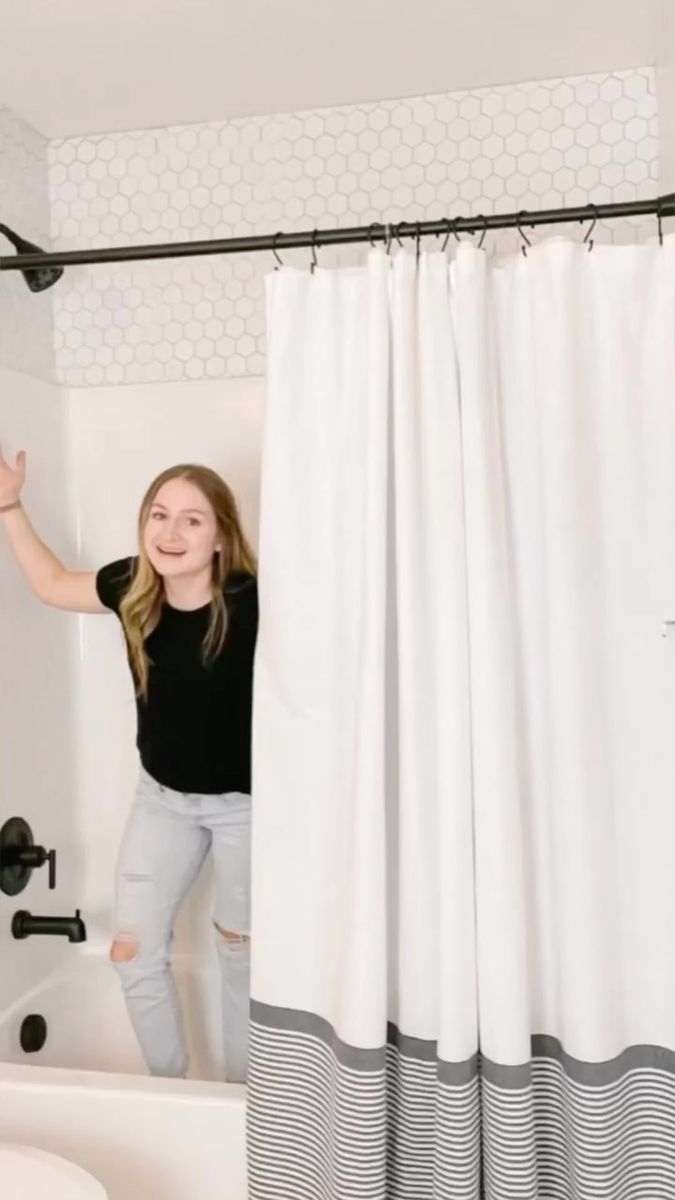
point(12, 479)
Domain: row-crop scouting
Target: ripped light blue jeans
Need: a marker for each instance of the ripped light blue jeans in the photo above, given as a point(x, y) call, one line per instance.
point(166, 841)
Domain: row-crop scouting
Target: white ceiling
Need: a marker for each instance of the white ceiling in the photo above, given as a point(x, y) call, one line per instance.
point(92, 66)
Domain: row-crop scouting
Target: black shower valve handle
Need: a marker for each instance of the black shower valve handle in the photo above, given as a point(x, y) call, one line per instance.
point(36, 856)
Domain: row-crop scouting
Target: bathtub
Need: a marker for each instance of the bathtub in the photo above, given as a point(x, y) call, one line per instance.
point(86, 1094)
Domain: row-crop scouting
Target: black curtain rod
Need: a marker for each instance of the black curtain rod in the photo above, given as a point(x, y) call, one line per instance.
point(660, 206)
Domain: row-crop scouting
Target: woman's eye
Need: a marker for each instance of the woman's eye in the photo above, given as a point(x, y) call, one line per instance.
point(157, 516)
point(194, 521)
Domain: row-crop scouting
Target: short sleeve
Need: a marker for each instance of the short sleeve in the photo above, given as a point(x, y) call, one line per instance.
point(113, 580)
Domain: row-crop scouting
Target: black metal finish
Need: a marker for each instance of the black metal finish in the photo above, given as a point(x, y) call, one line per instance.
point(19, 857)
point(37, 278)
point(33, 1033)
point(661, 206)
point(35, 856)
point(24, 925)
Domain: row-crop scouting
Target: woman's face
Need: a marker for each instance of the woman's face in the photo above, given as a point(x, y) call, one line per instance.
point(180, 536)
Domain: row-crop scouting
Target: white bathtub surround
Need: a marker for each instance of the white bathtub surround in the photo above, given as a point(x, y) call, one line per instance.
point(464, 762)
point(38, 697)
point(68, 764)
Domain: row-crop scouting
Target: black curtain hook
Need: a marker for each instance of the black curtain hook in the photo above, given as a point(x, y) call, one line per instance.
point(376, 225)
point(274, 250)
point(659, 218)
point(314, 259)
point(418, 238)
point(483, 218)
point(451, 227)
point(588, 240)
point(522, 233)
point(387, 238)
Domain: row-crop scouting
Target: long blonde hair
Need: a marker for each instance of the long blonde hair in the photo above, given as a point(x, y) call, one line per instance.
point(141, 607)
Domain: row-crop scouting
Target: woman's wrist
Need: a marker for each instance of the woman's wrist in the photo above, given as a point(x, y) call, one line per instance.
point(5, 508)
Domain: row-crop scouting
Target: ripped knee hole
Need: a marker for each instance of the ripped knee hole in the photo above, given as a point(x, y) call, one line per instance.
point(234, 939)
point(123, 949)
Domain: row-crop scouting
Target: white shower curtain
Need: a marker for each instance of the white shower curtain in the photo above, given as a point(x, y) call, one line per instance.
point(463, 979)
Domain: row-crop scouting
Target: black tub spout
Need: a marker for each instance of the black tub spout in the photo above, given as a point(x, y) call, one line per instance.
point(24, 925)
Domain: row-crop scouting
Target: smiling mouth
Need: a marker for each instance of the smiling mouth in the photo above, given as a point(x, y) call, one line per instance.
point(170, 553)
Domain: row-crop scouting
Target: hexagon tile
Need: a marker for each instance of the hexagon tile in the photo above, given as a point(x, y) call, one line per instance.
point(533, 146)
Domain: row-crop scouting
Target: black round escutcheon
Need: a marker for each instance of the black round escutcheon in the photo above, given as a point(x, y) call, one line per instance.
point(33, 1033)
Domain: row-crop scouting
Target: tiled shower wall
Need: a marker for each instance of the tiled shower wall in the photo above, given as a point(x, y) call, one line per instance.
point(537, 145)
point(26, 327)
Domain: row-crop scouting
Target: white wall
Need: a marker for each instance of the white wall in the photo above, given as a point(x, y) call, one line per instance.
point(26, 318)
point(120, 438)
point(37, 692)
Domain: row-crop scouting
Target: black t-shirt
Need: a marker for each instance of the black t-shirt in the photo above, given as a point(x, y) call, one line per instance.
point(194, 729)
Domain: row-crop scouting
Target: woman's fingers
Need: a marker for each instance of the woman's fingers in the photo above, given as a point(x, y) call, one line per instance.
point(18, 469)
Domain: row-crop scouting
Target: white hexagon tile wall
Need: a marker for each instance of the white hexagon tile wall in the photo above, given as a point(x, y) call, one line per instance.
point(538, 145)
point(26, 329)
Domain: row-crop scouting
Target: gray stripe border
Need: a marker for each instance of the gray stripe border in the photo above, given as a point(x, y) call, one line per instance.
point(458, 1074)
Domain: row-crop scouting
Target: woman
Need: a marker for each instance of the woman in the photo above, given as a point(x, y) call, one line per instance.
point(188, 605)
